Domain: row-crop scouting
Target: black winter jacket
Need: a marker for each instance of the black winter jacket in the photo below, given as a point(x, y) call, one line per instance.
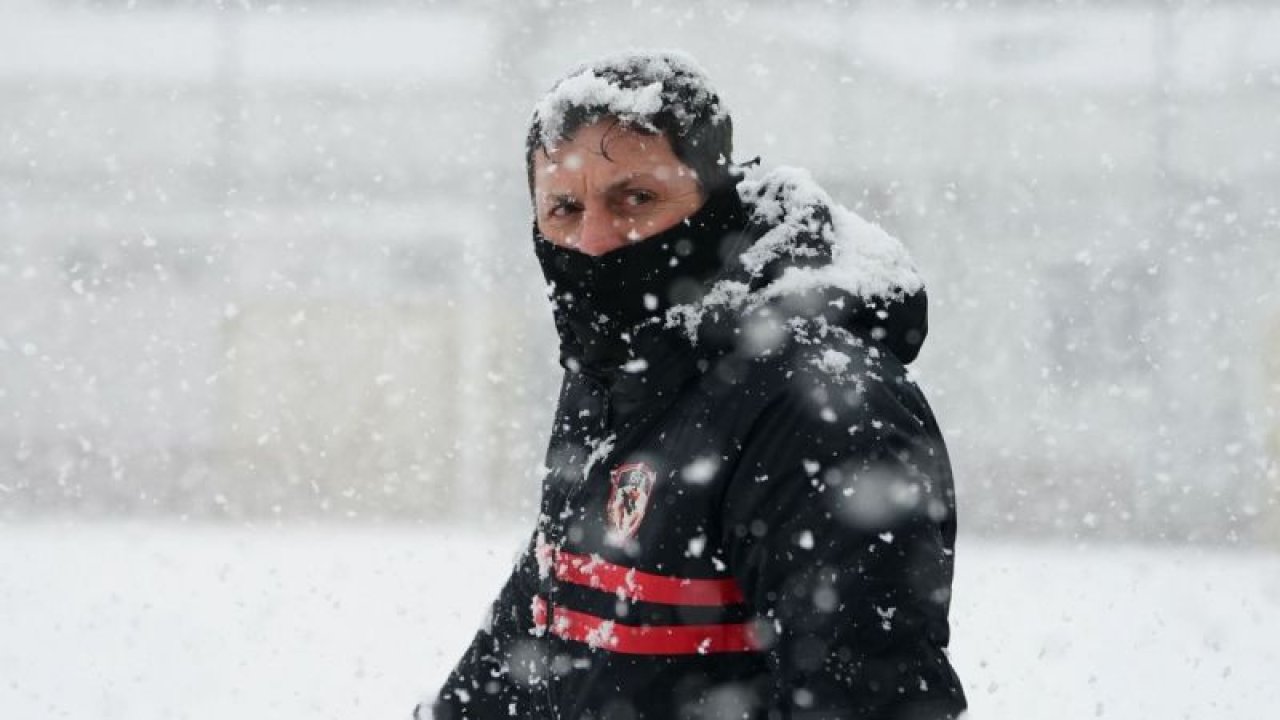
point(759, 524)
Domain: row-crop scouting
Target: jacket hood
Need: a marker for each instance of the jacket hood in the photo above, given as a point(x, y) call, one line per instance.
point(810, 268)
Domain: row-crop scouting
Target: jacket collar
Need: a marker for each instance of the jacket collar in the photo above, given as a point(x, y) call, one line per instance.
point(610, 310)
point(610, 334)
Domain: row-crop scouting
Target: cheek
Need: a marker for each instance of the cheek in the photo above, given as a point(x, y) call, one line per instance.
point(564, 232)
point(551, 229)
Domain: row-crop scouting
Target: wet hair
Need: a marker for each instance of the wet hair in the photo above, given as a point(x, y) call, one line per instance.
point(654, 93)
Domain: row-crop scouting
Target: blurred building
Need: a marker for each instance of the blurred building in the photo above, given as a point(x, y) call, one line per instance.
point(274, 262)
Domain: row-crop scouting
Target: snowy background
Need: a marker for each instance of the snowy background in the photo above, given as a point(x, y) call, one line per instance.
point(274, 359)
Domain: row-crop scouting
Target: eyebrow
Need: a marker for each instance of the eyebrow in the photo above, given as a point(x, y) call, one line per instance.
point(557, 198)
point(554, 198)
point(628, 179)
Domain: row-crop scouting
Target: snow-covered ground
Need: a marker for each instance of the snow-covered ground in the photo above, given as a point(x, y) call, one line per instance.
point(144, 622)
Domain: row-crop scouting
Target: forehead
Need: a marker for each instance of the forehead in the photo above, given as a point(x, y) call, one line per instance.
point(605, 150)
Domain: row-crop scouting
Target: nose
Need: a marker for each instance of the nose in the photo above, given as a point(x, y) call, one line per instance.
point(600, 232)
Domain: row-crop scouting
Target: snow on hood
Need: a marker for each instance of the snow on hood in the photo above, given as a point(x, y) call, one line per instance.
point(866, 262)
point(665, 80)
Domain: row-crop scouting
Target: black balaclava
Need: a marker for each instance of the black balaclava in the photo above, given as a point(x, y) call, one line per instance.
point(601, 302)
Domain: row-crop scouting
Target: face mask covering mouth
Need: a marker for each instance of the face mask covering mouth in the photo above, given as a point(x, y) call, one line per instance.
point(600, 301)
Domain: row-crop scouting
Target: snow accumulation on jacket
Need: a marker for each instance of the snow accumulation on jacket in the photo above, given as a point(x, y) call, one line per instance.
point(748, 510)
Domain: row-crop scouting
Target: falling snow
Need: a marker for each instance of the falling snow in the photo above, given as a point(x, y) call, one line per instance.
point(275, 359)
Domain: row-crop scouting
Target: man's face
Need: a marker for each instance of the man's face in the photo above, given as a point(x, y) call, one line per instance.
point(609, 186)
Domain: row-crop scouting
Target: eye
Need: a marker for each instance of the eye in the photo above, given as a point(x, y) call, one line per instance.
point(639, 198)
point(563, 208)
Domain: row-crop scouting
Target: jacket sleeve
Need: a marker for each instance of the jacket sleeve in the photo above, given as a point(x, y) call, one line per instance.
point(839, 528)
point(499, 672)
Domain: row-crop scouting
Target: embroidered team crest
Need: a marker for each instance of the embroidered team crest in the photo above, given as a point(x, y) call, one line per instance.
point(629, 497)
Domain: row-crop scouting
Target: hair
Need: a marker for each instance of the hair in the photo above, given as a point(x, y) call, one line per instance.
point(686, 110)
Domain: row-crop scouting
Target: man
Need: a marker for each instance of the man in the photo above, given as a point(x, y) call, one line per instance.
point(748, 510)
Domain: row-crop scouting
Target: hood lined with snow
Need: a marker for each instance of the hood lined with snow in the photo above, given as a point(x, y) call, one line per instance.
point(816, 268)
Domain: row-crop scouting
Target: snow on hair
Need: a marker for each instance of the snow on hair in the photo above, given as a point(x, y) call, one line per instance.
point(633, 87)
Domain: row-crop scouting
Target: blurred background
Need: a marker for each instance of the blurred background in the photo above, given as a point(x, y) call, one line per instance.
point(272, 260)
point(267, 265)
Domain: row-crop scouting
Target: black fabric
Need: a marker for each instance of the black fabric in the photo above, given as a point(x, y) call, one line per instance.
point(601, 302)
point(809, 470)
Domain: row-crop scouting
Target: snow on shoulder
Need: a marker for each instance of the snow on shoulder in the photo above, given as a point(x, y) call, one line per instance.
point(632, 87)
point(866, 261)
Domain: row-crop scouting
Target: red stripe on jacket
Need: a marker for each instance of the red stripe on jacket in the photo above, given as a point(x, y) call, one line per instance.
point(643, 639)
point(637, 585)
